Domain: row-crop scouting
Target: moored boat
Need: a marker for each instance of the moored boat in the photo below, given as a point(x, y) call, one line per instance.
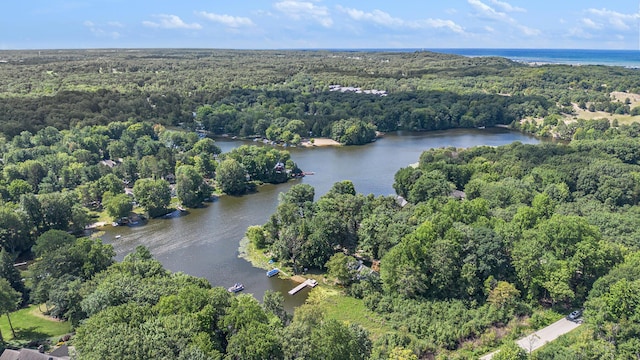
point(236, 288)
point(273, 272)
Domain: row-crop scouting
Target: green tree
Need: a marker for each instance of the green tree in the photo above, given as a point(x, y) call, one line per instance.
point(342, 267)
point(10, 272)
point(298, 194)
point(231, 177)
point(153, 195)
point(333, 340)
point(57, 209)
point(273, 302)
point(15, 234)
point(400, 353)
point(190, 186)
point(9, 301)
point(51, 241)
point(117, 206)
point(17, 188)
point(255, 341)
point(511, 351)
point(256, 235)
point(503, 294)
point(344, 187)
point(429, 185)
point(206, 146)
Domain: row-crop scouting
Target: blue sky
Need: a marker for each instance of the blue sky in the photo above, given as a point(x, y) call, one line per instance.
point(286, 24)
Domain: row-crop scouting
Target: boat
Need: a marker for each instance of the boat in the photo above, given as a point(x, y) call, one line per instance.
point(273, 272)
point(118, 236)
point(236, 288)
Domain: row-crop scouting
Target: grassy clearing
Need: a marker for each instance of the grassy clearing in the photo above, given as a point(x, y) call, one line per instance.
point(31, 324)
point(349, 310)
point(260, 259)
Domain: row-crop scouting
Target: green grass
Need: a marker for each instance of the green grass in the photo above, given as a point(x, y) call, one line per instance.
point(30, 324)
point(349, 310)
point(258, 258)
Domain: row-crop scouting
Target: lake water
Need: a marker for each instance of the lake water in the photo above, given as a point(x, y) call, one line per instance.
point(205, 242)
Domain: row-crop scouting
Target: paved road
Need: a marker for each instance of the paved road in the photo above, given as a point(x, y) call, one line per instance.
point(543, 336)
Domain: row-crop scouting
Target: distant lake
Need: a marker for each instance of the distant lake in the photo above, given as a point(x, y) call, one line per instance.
point(205, 242)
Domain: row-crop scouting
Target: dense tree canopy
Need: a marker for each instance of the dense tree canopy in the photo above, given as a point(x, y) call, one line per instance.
point(546, 225)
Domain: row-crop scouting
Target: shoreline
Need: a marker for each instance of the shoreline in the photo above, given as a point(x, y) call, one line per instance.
point(320, 142)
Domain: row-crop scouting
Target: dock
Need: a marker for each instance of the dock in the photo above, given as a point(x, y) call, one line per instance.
point(308, 282)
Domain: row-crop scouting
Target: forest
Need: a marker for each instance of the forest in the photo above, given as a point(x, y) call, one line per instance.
point(245, 93)
point(491, 240)
point(548, 225)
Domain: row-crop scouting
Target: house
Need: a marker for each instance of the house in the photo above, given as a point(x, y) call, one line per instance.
point(61, 353)
point(458, 195)
point(171, 179)
point(108, 163)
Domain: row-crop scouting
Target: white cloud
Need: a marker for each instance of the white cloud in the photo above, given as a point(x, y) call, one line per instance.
point(618, 20)
point(578, 32)
point(493, 14)
point(506, 6)
point(301, 10)
point(170, 22)
point(489, 29)
point(488, 11)
point(382, 18)
point(437, 24)
point(227, 20)
point(99, 32)
point(376, 16)
point(115, 24)
point(591, 24)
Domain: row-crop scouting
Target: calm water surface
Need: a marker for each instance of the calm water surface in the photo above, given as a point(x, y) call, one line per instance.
point(205, 242)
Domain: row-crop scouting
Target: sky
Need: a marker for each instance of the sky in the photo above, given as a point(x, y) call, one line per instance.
point(326, 24)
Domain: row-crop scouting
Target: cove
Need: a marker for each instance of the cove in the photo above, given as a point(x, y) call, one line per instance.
point(205, 242)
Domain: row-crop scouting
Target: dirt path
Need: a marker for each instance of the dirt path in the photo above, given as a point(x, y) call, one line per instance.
point(37, 313)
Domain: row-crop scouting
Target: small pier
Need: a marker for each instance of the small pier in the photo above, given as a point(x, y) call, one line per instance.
point(308, 282)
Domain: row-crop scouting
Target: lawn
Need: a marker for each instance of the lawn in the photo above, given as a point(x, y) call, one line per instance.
point(349, 310)
point(30, 324)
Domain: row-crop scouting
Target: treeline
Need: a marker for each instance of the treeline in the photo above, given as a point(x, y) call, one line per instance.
point(135, 309)
point(59, 180)
point(540, 226)
point(67, 89)
point(270, 114)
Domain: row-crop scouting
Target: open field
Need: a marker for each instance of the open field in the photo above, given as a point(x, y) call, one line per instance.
point(622, 119)
point(349, 310)
point(31, 324)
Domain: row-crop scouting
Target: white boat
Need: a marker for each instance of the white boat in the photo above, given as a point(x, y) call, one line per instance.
point(236, 288)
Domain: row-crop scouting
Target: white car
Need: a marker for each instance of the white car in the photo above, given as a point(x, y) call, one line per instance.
point(575, 315)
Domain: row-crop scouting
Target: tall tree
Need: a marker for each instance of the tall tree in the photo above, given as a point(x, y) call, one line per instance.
point(9, 301)
point(231, 177)
point(190, 186)
point(153, 195)
point(9, 272)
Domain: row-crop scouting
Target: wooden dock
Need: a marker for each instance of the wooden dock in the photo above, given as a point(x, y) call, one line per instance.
point(308, 282)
